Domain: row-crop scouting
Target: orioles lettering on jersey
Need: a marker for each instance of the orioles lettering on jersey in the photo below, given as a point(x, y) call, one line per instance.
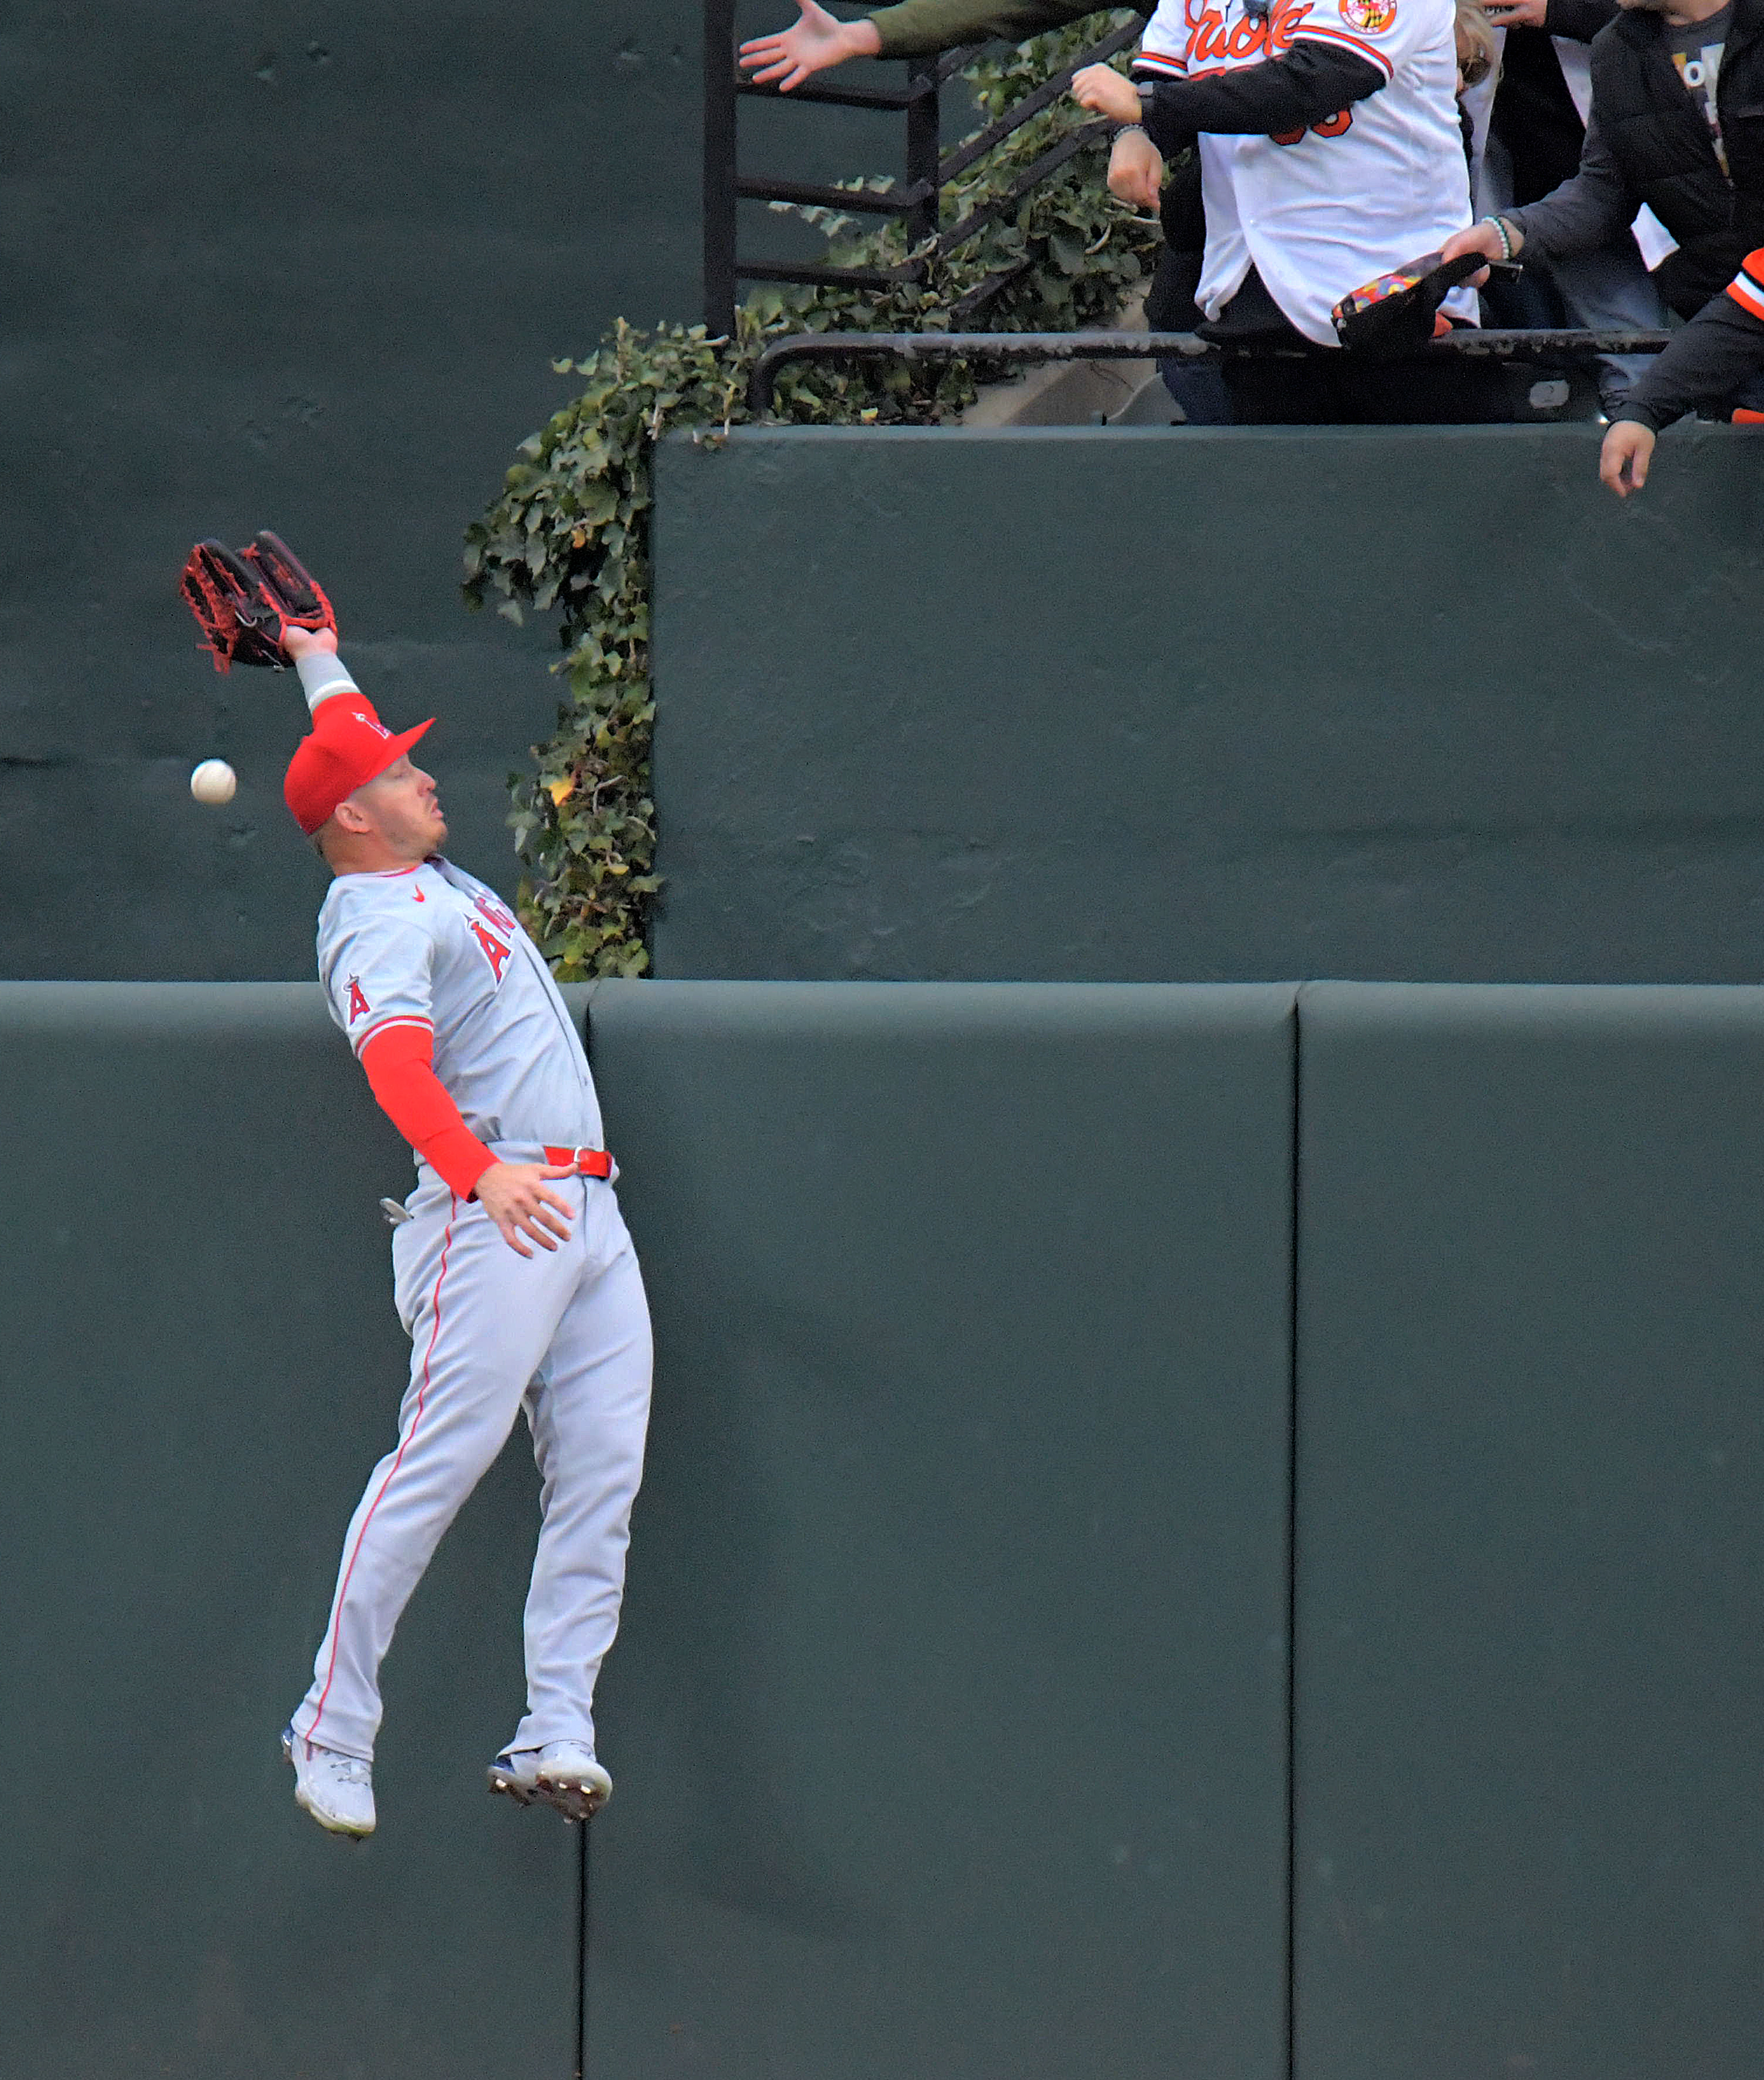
point(494, 950)
point(359, 1005)
point(1198, 39)
point(1267, 36)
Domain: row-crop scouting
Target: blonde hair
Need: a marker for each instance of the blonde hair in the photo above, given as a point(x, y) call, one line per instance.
point(1478, 54)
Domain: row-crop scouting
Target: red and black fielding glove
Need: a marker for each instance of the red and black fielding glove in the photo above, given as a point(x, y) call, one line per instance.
point(245, 600)
point(1398, 314)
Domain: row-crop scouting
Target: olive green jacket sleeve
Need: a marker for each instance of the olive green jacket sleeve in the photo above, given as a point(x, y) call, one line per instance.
point(918, 26)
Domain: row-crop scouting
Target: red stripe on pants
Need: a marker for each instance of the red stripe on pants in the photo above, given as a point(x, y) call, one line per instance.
point(422, 1395)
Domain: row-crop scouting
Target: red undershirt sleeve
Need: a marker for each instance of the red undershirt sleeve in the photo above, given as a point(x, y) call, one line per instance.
point(400, 1061)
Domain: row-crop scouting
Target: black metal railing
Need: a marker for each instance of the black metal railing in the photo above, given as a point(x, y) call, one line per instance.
point(918, 201)
point(1024, 348)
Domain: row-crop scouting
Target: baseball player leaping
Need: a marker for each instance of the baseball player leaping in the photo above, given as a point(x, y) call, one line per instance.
point(513, 1273)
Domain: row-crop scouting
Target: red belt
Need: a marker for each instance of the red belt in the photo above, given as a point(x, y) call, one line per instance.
point(584, 1161)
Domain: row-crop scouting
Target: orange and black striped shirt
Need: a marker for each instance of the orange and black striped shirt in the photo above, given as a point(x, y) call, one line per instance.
point(1710, 366)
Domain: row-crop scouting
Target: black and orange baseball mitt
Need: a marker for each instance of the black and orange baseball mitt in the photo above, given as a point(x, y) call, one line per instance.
point(245, 600)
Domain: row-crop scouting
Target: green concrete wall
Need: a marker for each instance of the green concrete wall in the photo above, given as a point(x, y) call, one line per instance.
point(952, 1717)
point(1145, 704)
point(1131, 704)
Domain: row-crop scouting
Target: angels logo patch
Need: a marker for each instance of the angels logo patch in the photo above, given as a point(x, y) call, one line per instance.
point(495, 952)
point(1369, 16)
point(358, 1002)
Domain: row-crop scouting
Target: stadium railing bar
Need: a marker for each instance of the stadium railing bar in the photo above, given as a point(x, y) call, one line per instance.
point(929, 169)
point(1025, 348)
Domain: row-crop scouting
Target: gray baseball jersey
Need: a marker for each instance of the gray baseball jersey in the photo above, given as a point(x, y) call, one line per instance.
point(561, 1335)
point(430, 946)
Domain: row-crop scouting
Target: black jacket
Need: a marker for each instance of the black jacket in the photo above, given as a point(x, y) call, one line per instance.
point(1648, 142)
point(1534, 113)
point(1706, 360)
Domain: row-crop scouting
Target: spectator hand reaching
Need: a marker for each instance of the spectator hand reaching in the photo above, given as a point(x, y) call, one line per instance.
point(1136, 170)
point(1100, 88)
point(817, 42)
point(1623, 459)
point(1481, 238)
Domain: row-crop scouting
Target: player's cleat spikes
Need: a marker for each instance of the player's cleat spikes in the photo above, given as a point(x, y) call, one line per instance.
point(569, 1778)
point(514, 1773)
point(336, 1789)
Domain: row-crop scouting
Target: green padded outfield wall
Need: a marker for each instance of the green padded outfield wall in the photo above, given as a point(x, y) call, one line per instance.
point(950, 1718)
point(950, 1710)
point(302, 264)
point(201, 1366)
point(1139, 704)
point(1530, 1563)
point(951, 1713)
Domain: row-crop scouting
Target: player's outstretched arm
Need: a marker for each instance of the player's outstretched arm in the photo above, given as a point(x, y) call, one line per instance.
point(322, 672)
point(513, 1195)
point(301, 643)
point(817, 42)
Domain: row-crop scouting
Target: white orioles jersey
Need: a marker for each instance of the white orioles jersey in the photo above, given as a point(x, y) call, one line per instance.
point(430, 946)
point(1324, 211)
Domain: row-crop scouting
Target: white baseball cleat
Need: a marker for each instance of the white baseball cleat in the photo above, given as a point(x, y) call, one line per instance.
point(515, 1773)
point(336, 1789)
point(569, 1778)
point(563, 1774)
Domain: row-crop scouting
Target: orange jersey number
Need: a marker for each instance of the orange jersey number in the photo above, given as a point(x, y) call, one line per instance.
point(1332, 126)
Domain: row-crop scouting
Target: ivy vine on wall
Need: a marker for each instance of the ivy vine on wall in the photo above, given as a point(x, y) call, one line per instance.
point(570, 532)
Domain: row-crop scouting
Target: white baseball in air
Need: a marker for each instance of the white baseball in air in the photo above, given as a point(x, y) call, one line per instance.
point(214, 782)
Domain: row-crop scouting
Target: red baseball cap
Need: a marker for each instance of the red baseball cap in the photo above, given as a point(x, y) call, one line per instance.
point(348, 746)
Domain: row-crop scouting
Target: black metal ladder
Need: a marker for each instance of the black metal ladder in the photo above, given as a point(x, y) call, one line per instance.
point(929, 168)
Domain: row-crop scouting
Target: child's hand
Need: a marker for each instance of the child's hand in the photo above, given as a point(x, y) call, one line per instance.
point(1622, 460)
point(1101, 89)
point(1136, 171)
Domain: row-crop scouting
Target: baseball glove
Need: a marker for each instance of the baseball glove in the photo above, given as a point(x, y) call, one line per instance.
point(245, 600)
point(1398, 314)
